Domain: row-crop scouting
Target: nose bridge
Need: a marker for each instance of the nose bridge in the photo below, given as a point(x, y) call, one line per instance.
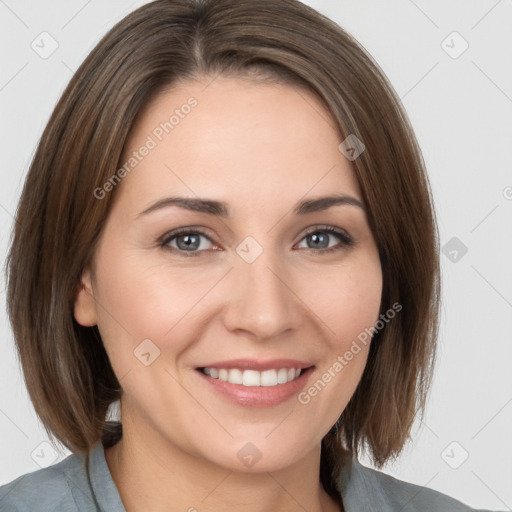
point(262, 301)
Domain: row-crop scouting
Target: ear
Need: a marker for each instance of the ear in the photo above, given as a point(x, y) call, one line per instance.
point(85, 305)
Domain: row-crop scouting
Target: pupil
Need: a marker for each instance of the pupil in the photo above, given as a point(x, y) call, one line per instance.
point(317, 237)
point(188, 241)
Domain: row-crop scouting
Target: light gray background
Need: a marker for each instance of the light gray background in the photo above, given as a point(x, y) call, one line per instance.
point(461, 110)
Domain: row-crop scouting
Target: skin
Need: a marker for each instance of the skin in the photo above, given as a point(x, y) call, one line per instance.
point(261, 148)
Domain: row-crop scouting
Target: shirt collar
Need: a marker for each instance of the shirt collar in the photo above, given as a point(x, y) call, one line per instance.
point(360, 488)
point(102, 484)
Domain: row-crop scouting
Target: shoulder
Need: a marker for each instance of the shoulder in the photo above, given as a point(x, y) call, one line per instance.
point(61, 487)
point(369, 489)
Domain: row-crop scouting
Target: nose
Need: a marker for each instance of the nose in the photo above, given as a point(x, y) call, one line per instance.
point(262, 300)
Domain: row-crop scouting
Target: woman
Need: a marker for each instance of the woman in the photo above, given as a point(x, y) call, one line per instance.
point(228, 228)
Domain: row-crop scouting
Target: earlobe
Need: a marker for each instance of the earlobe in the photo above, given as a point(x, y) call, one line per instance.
point(85, 305)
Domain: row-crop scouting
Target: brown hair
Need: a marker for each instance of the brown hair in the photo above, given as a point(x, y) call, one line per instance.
point(67, 372)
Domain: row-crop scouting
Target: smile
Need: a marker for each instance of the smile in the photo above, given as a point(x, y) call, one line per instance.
point(250, 378)
point(248, 387)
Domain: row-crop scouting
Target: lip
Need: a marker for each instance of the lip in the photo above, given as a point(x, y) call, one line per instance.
point(254, 364)
point(257, 396)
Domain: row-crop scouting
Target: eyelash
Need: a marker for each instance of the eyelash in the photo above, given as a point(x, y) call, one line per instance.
point(346, 241)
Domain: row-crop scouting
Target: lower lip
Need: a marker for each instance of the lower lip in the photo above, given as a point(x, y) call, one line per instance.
point(258, 396)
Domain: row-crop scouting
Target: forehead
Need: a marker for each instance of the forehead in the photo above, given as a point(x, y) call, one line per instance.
point(234, 139)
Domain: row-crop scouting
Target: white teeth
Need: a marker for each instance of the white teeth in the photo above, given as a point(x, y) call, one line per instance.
point(269, 378)
point(252, 377)
point(282, 376)
point(235, 376)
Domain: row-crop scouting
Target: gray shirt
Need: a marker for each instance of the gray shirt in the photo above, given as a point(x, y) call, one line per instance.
point(66, 487)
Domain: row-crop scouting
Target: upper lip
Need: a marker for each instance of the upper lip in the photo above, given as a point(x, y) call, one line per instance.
point(254, 364)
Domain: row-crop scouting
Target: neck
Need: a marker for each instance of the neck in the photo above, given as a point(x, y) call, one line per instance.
point(151, 472)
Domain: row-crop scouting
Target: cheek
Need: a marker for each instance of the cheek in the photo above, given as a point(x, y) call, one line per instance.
point(346, 299)
point(348, 304)
point(138, 300)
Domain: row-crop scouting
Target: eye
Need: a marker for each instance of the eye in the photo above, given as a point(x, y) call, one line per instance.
point(187, 240)
point(320, 237)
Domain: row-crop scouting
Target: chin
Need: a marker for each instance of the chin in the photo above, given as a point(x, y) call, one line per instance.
point(257, 455)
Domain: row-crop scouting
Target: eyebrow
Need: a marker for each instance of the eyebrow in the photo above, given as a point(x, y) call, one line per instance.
point(221, 209)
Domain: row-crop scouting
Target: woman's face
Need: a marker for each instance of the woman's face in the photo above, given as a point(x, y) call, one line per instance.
point(261, 287)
